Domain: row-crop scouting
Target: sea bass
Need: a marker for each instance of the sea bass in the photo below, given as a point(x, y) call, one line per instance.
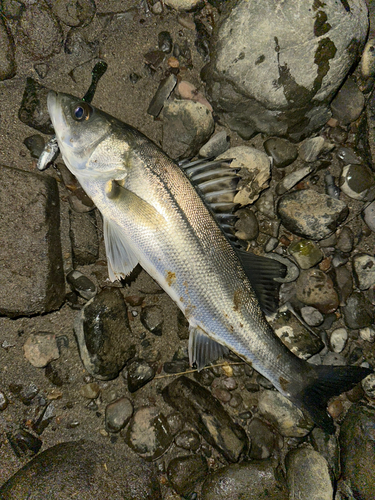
point(155, 216)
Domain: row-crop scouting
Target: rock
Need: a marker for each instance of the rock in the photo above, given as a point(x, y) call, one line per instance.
point(33, 110)
point(187, 126)
point(84, 237)
point(357, 182)
point(253, 47)
point(164, 90)
point(263, 439)
point(344, 280)
point(255, 172)
point(35, 144)
point(81, 284)
point(104, 338)
point(306, 253)
point(338, 339)
point(176, 366)
point(368, 385)
point(90, 390)
point(152, 319)
point(40, 349)
point(310, 149)
point(118, 414)
point(12, 9)
point(358, 450)
point(367, 334)
point(255, 480)
point(308, 475)
point(348, 103)
point(312, 316)
point(334, 359)
point(364, 270)
point(208, 416)
point(282, 151)
point(37, 286)
point(287, 418)
point(3, 401)
point(247, 227)
point(184, 472)
point(24, 444)
point(327, 445)
point(345, 241)
point(41, 69)
point(139, 374)
point(310, 214)
point(368, 59)
point(182, 5)
point(148, 433)
point(8, 66)
point(74, 13)
point(369, 216)
point(290, 180)
point(218, 144)
point(187, 440)
point(358, 311)
point(28, 393)
point(187, 90)
point(39, 33)
point(78, 466)
point(315, 288)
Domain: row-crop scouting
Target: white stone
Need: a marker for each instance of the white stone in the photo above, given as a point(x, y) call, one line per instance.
point(364, 268)
point(368, 385)
point(367, 334)
point(338, 339)
point(41, 349)
point(181, 4)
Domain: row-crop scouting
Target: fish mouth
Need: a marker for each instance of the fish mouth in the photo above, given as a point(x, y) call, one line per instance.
point(57, 117)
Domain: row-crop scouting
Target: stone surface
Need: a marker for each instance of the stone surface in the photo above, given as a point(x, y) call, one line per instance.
point(7, 57)
point(315, 288)
point(364, 270)
point(282, 151)
point(208, 416)
point(247, 227)
point(357, 182)
point(33, 110)
point(84, 237)
point(75, 470)
point(104, 338)
point(287, 418)
point(184, 472)
point(139, 374)
point(358, 311)
point(77, 13)
point(40, 349)
point(358, 450)
point(81, 284)
point(253, 47)
point(369, 216)
point(348, 103)
point(255, 480)
point(310, 149)
point(152, 319)
point(263, 439)
point(308, 475)
point(338, 339)
point(306, 253)
point(118, 414)
point(310, 214)
point(218, 144)
point(328, 447)
point(30, 226)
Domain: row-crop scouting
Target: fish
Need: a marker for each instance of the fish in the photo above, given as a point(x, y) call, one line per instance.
point(173, 220)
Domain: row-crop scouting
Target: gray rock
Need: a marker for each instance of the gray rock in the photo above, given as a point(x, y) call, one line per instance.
point(81, 284)
point(164, 90)
point(344, 280)
point(310, 149)
point(338, 339)
point(357, 182)
point(3, 401)
point(90, 390)
point(327, 445)
point(308, 475)
point(368, 59)
point(78, 466)
point(282, 151)
point(39, 32)
point(84, 237)
point(218, 144)
point(369, 216)
point(310, 214)
point(7, 52)
point(358, 450)
point(35, 144)
point(33, 110)
point(40, 349)
point(104, 338)
point(284, 415)
point(208, 416)
point(118, 414)
point(38, 285)
point(312, 316)
point(253, 47)
point(75, 13)
point(139, 374)
point(12, 9)
point(367, 334)
point(315, 288)
point(358, 311)
point(306, 253)
point(187, 126)
point(364, 270)
point(255, 480)
point(345, 240)
point(334, 359)
point(148, 433)
point(247, 227)
point(368, 385)
point(348, 103)
point(152, 319)
point(263, 439)
point(290, 180)
point(188, 440)
point(184, 472)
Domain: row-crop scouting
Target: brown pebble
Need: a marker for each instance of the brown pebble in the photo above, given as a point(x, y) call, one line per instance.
point(186, 21)
point(134, 300)
point(235, 401)
point(355, 394)
point(325, 264)
point(284, 240)
point(335, 408)
point(173, 62)
point(221, 394)
point(332, 122)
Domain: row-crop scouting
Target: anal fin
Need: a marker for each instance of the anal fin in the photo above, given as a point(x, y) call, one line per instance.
point(202, 349)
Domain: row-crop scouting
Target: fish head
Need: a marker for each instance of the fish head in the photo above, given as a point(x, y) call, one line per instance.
point(85, 138)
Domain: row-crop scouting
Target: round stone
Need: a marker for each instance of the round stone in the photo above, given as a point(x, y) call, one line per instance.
point(357, 182)
point(282, 151)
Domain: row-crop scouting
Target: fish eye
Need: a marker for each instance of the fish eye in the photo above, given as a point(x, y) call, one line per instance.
point(82, 112)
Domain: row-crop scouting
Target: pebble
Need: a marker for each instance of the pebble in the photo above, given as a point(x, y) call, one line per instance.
point(33, 110)
point(358, 311)
point(75, 14)
point(255, 172)
point(118, 414)
point(257, 480)
point(287, 418)
point(338, 339)
point(8, 65)
point(306, 253)
point(357, 182)
point(84, 237)
point(40, 349)
point(290, 180)
point(236, 400)
point(3, 401)
point(218, 144)
point(35, 144)
point(182, 5)
point(348, 103)
point(39, 32)
point(266, 203)
point(187, 90)
point(184, 472)
point(312, 316)
point(43, 419)
point(247, 227)
point(148, 433)
point(307, 475)
point(28, 393)
point(328, 447)
point(165, 42)
point(334, 359)
point(310, 214)
point(364, 270)
point(296, 337)
point(345, 241)
point(368, 385)
point(221, 394)
point(24, 444)
point(367, 334)
point(315, 288)
point(105, 340)
point(90, 391)
point(310, 149)
point(139, 374)
point(368, 59)
point(207, 415)
point(369, 216)
point(282, 151)
point(187, 440)
point(176, 366)
point(292, 270)
point(164, 90)
point(176, 422)
point(152, 319)
point(263, 439)
point(81, 284)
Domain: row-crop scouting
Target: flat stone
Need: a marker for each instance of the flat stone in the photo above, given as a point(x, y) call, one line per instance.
point(364, 270)
point(306, 253)
point(184, 472)
point(338, 339)
point(40, 349)
point(348, 103)
point(29, 224)
point(218, 144)
point(263, 439)
point(84, 237)
point(118, 414)
point(315, 288)
point(358, 311)
point(282, 151)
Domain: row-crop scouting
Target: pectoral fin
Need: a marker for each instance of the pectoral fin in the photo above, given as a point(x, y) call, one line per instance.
point(202, 349)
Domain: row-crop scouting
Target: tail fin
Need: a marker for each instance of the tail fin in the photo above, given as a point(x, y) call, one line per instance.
point(329, 381)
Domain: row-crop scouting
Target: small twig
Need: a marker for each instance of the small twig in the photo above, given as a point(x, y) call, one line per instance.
point(195, 369)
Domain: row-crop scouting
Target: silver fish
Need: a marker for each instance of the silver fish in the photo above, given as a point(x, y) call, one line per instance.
point(153, 215)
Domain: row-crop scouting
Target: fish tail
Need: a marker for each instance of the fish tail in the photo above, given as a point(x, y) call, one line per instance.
point(324, 383)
